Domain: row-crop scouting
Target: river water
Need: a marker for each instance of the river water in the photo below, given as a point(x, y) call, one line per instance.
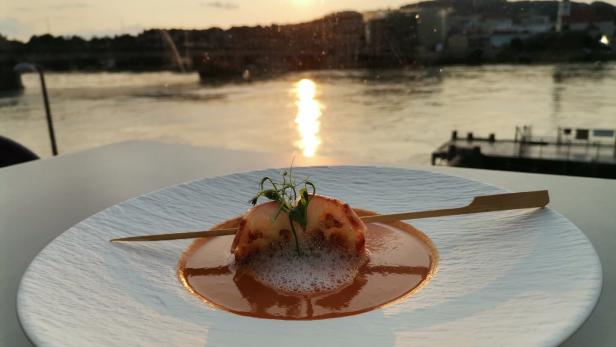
point(387, 116)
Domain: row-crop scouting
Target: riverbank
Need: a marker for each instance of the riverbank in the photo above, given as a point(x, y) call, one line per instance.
point(428, 33)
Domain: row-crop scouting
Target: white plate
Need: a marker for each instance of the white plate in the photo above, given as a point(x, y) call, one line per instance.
point(517, 278)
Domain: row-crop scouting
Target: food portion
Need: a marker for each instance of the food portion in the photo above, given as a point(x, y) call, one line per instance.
point(296, 217)
point(336, 223)
point(262, 227)
point(306, 256)
point(329, 221)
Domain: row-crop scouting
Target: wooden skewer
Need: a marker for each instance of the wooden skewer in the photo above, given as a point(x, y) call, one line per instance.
point(486, 203)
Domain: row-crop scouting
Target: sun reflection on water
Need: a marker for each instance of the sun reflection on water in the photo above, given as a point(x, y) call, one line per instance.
point(307, 118)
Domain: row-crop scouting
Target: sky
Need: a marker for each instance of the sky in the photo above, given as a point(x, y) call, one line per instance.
point(20, 19)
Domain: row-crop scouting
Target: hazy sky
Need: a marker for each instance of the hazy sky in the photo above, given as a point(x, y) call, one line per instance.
point(20, 19)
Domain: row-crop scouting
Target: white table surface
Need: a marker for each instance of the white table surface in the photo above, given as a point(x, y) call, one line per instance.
point(41, 199)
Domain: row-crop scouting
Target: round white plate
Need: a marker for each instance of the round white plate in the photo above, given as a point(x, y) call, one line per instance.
point(516, 278)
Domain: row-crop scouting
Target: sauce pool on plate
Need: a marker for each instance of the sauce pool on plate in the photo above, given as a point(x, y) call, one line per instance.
point(399, 261)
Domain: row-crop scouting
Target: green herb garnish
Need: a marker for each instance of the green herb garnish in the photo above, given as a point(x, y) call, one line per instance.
point(293, 198)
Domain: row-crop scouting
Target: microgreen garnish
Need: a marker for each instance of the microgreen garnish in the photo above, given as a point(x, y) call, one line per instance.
point(292, 196)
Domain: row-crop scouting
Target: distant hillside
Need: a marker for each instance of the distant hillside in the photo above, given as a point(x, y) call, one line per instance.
point(515, 9)
point(470, 31)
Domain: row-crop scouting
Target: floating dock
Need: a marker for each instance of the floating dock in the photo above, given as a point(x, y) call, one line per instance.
point(575, 152)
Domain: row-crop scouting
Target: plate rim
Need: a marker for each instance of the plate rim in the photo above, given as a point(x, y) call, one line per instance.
point(563, 335)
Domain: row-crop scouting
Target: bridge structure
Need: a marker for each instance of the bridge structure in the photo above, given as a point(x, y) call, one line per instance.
point(208, 62)
point(146, 60)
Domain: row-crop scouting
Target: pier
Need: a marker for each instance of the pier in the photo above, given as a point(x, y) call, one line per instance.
point(576, 152)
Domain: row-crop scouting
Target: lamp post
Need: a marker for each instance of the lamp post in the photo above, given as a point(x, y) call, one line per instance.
point(27, 67)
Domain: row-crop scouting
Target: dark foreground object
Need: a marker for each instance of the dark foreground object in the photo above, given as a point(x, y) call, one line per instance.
point(585, 153)
point(12, 153)
point(10, 81)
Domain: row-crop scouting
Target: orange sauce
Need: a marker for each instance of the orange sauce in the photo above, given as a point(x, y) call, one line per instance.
point(401, 260)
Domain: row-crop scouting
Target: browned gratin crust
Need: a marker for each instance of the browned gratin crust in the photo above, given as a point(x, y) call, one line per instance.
point(329, 219)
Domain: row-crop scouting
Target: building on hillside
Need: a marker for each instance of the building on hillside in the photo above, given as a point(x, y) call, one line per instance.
point(585, 18)
point(488, 25)
point(391, 35)
point(564, 11)
point(523, 28)
point(342, 37)
point(534, 24)
point(598, 25)
point(333, 41)
point(457, 45)
point(432, 28)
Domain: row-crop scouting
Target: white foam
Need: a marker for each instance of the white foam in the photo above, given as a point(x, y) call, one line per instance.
point(318, 269)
